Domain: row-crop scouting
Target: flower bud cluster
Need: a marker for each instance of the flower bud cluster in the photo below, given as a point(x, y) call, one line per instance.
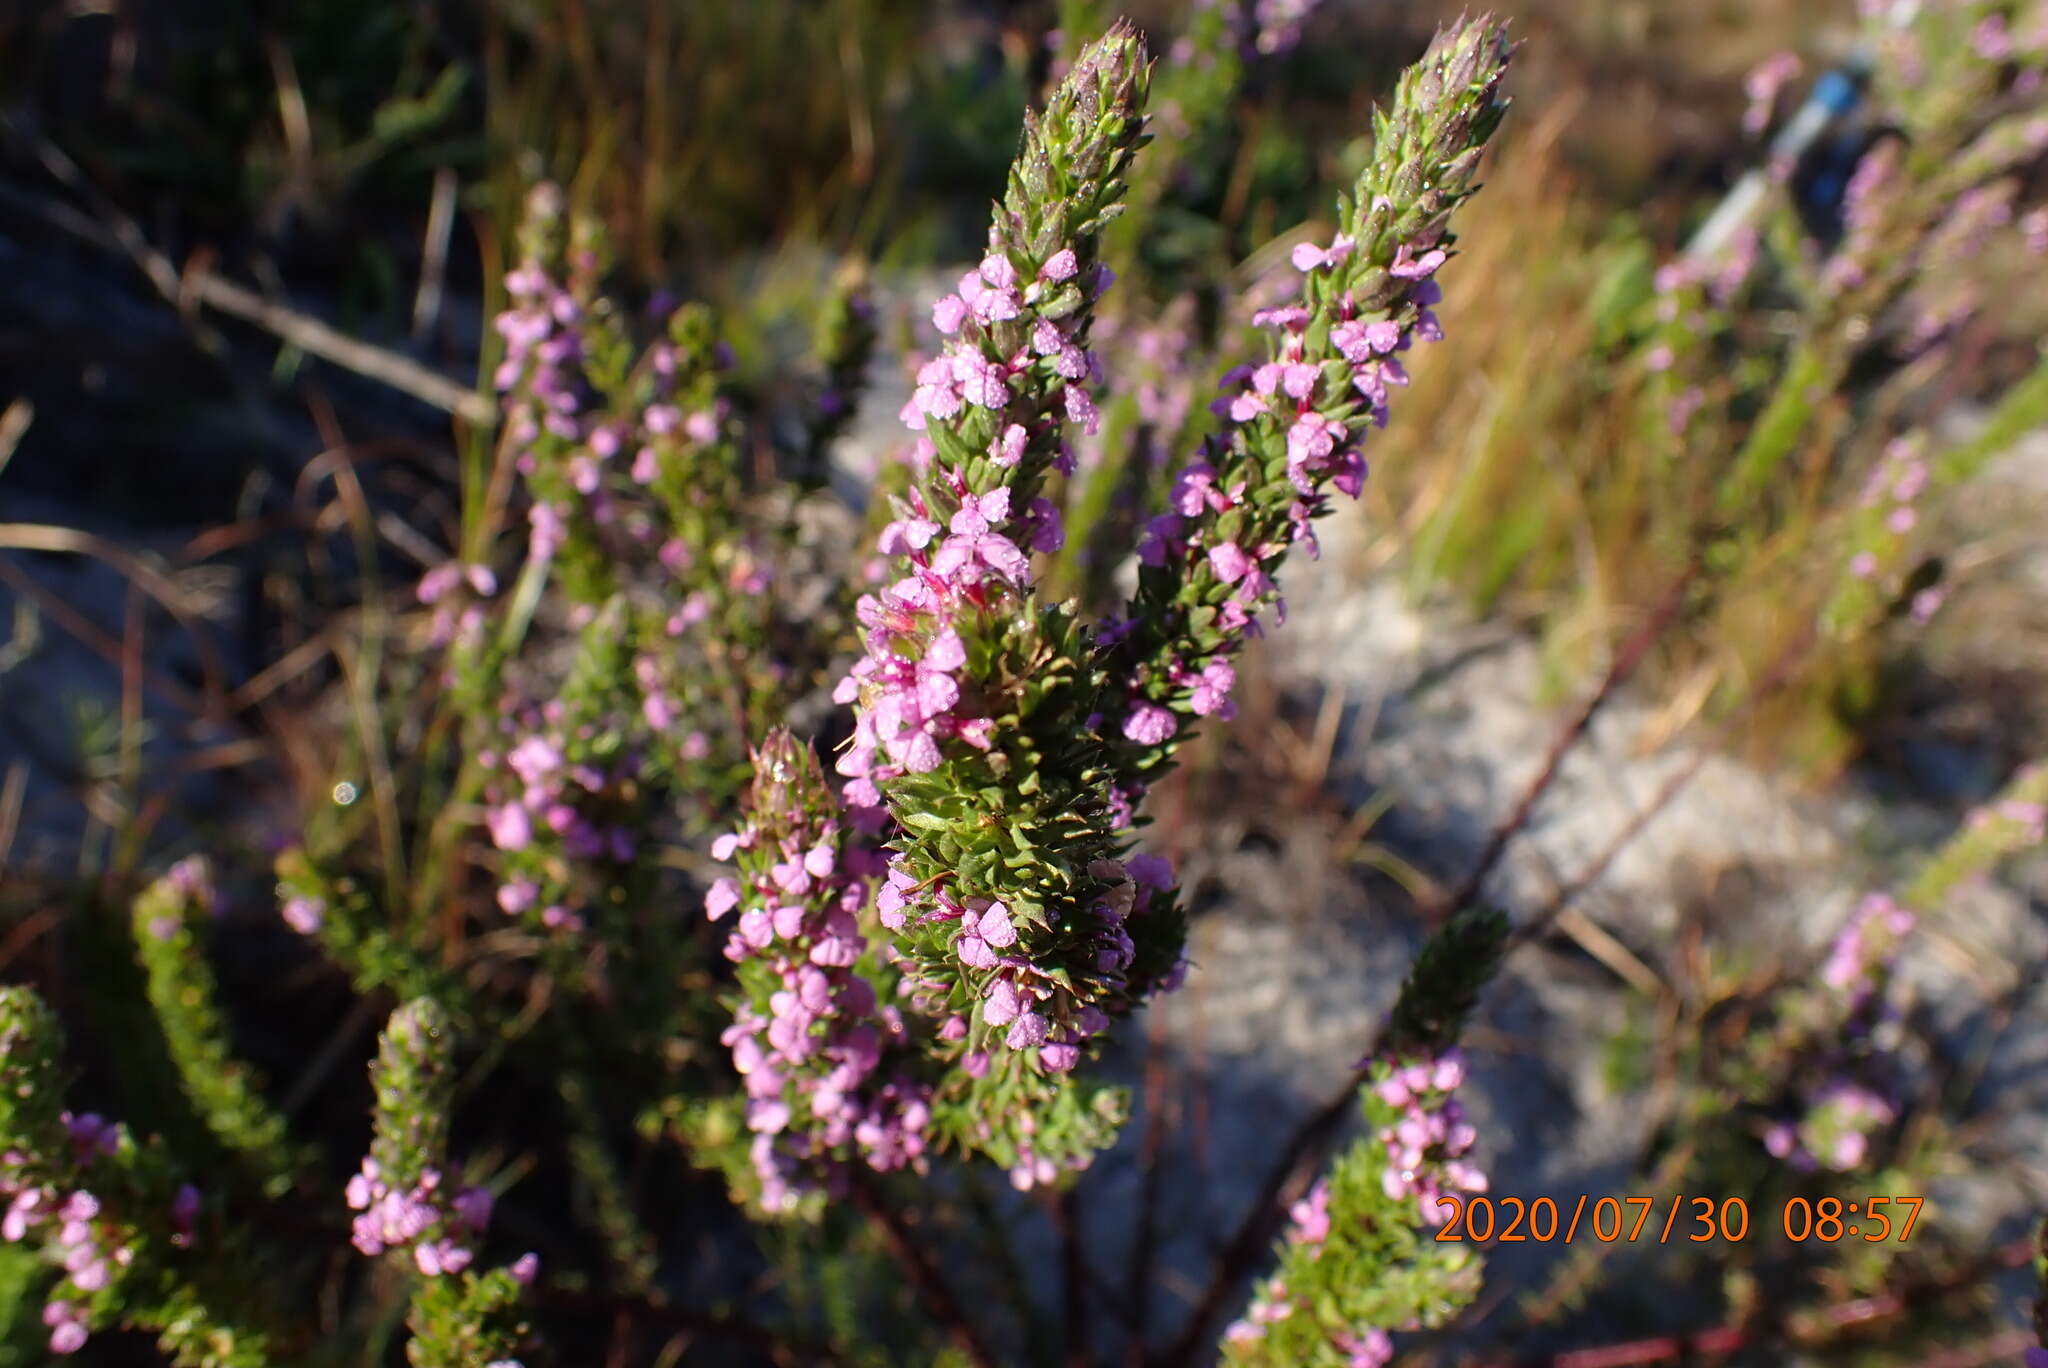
point(1018, 925)
point(1902, 482)
point(1865, 949)
point(563, 806)
point(1948, 293)
point(825, 1063)
point(72, 1225)
point(1763, 85)
point(2012, 822)
point(634, 467)
point(1836, 1129)
point(1843, 1100)
point(1865, 205)
point(403, 1202)
point(1296, 422)
point(1428, 1137)
point(1356, 1260)
point(170, 922)
point(437, 1230)
point(111, 1214)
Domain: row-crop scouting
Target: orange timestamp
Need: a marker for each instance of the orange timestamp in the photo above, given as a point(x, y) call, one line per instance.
point(1699, 1220)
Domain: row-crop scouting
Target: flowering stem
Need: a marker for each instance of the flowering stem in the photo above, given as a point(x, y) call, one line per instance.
point(170, 916)
point(1440, 990)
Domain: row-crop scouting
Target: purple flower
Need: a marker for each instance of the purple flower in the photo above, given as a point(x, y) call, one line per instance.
point(997, 928)
point(1003, 1005)
point(1410, 267)
point(1309, 257)
point(724, 895)
point(1027, 1031)
point(1148, 724)
point(1229, 562)
point(949, 313)
point(510, 827)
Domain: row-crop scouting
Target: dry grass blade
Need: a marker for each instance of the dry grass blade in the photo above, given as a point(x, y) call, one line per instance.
point(117, 231)
point(13, 427)
point(12, 793)
point(160, 587)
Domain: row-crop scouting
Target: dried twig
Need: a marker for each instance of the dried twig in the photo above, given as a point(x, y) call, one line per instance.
point(1289, 1173)
point(1811, 1328)
point(1631, 655)
point(924, 1276)
point(13, 427)
point(116, 231)
point(426, 304)
point(780, 1348)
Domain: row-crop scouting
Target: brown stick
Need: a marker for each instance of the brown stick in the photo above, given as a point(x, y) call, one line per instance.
point(777, 1347)
point(1288, 1176)
point(1815, 1327)
point(1631, 655)
point(117, 231)
point(924, 1276)
point(1774, 679)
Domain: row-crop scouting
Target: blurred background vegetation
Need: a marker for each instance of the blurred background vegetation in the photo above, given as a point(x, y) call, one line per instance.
point(736, 151)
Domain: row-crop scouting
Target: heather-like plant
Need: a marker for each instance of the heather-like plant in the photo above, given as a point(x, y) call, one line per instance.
point(913, 950)
point(409, 1209)
point(171, 917)
point(1011, 746)
point(1358, 1258)
point(134, 1243)
point(924, 959)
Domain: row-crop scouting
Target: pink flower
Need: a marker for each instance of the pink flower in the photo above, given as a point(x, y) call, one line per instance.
point(1309, 257)
point(938, 391)
point(981, 381)
point(1027, 1032)
point(1149, 724)
point(1229, 562)
point(1008, 449)
point(510, 827)
point(1409, 267)
point(1081, 409)
point(1003, 1005)
point(997, 928)
point(997, 271)
point(724, 895)
point(1292, 318)
point(304, 915)
point(1059, 1058)
point(1311, 1216)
